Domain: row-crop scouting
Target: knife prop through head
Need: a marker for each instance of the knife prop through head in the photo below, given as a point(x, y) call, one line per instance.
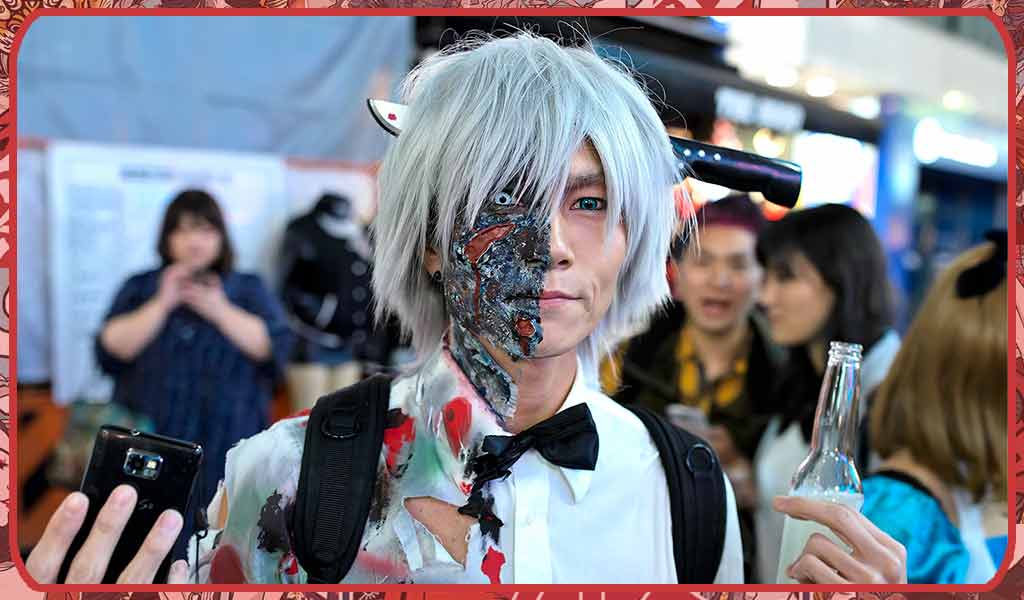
point(778, 180)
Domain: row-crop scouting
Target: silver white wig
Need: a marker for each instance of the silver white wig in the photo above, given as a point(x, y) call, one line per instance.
point(491, 112)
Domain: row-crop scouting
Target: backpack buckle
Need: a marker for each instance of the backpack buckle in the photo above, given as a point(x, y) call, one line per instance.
point(700, 459)
point(342, 423)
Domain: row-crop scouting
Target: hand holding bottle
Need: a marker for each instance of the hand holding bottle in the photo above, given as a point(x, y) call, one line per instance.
point(875, 558)
point(828, 474)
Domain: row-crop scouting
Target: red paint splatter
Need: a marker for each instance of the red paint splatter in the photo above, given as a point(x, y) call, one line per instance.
point(392, 116)
point(289, 565)
point(226, 566)
point(491, 565)
point(477, 247)
point(397, 436)
point(525, 329)
point(381, 565)
point(483, 240)
point(302, 414)
point(456, 422)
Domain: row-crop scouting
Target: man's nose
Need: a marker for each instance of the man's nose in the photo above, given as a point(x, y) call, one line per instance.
point(767, 292)
point(561, 251)
point(720, 275)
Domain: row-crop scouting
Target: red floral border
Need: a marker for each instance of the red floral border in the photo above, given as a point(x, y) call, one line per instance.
point(13, 14)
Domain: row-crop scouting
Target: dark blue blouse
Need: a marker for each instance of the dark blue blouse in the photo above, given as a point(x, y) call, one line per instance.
point(191, 380)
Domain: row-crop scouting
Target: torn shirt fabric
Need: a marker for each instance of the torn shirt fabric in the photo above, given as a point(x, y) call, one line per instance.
point(557, 524)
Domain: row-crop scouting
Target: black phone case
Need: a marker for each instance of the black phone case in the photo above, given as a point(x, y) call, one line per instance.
point(172, 488)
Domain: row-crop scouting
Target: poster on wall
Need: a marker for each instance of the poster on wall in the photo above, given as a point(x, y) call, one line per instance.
point(33, 283)
point(105, 206)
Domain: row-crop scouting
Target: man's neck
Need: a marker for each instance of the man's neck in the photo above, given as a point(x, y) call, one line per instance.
point(543, 385)
point(717, 350)
point(521, 393)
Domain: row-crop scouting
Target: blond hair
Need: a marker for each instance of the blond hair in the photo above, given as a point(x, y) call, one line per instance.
point(945, 397)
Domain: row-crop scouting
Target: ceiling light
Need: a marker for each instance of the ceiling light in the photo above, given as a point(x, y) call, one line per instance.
point(782, 77)
point(865, 107)
point(768, 145)
point(820, 87)
point(954, 100)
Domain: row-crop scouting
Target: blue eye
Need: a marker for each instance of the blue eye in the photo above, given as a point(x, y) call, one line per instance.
point(504, 200)
point(589, 204)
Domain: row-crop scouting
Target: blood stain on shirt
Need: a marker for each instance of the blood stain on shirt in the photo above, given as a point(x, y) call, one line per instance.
point(456, 423)
point(226, 565)
point(400, 432)
point(492, 563)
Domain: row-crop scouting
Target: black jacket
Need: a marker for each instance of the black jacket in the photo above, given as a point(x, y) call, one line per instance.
point(326, 290)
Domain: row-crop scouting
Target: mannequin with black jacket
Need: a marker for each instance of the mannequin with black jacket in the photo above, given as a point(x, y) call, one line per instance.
point(326, 272)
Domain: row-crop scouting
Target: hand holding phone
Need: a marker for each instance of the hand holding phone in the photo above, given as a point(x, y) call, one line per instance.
point(90, 563)
point(204, 294)
point(125, 521)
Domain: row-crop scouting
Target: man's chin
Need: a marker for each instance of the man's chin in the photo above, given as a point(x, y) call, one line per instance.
point(716, 326)
point(555, 346)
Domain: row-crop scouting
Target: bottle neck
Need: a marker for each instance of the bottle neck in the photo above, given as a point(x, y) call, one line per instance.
point(837, 416)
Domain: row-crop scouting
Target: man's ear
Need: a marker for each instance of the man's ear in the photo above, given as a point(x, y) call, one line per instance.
point(431, 261)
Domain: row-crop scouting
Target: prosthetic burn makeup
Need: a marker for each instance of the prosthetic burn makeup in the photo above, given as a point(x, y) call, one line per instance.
point(492, 290)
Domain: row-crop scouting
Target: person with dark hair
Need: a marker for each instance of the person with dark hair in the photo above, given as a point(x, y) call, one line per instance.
point(825, 280)
point(709, 350)
point(195, 345)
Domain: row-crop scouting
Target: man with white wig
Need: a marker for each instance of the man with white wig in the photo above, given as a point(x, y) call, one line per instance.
point(525, 216)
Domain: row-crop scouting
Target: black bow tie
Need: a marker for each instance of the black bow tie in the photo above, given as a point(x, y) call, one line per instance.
point(567, 439)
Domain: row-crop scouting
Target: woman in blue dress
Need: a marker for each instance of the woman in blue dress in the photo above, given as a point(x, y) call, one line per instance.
point(939, 422)
point(195, 345)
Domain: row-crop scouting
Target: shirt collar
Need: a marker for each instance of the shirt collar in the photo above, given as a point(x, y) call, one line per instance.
point(459, 419)
point(578, 479)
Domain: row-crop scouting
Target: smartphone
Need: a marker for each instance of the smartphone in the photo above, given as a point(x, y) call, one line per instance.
point(690, 418)
point(203, 276)
point(162, 470)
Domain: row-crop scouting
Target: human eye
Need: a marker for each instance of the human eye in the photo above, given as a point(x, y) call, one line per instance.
point(589, 203)
point(504, 200)
point(740, 264)
point(701, 259)
point(783, 273)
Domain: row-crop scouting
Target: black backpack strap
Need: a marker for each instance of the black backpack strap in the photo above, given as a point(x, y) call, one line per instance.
point(696, 491)
point(339, 470)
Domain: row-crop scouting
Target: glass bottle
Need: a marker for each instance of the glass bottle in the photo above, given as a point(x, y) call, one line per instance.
point(829, 472)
